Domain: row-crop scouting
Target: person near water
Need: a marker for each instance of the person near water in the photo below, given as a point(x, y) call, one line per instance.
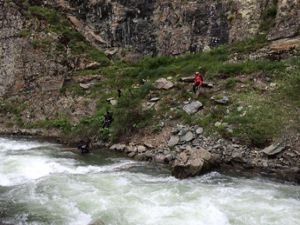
point(108, 118)
point(84, 146)
point(198, 81)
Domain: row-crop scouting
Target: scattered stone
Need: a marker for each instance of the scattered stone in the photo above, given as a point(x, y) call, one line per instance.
point(141, 149)
point(118, 147)
point(218, 124)
point(274, 149)
point(154, 99)
point(240, 108)
point(192, 163)
point(189, 136)
point(93, 65)
point(85, 86)
point(131, 154)
point(160, 158)
point(112, 101)
point(189, 79)
point(174, 140)
point(163, 83)
point(148, 145)
point(199, 131)
point(222, 101)
point(192, 107)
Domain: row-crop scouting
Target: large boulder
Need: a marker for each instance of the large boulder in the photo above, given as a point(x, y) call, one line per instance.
point(163, 83)
point(192, 162)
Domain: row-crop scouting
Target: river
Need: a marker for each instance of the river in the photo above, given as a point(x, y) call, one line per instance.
point(44, 183)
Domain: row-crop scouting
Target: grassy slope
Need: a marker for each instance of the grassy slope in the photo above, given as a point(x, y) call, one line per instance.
point(256, 116)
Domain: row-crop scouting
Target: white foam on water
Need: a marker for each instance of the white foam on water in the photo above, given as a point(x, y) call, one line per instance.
point(71, 192)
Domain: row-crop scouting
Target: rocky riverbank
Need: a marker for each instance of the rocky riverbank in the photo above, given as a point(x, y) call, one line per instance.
point(189, 153)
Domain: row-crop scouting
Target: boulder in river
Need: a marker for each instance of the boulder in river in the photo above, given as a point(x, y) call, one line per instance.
point(192, 162)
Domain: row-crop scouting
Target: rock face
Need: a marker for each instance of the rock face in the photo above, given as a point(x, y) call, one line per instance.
point(286, 24)
point(175, 27)
point(192, 162)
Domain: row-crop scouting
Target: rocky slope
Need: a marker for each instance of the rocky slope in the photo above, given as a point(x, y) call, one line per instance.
point(55, 79)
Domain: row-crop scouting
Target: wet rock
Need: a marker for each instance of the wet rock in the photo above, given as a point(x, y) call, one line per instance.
point(274, 149)
point(174, 140)
point(118, 147)
point(131, 154)
point(189, 136)
point(163, 83)
point(192, 162)
point(160, 158)
point(192, 107)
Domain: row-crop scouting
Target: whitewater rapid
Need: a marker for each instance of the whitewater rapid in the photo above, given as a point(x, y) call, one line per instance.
point(44, 183)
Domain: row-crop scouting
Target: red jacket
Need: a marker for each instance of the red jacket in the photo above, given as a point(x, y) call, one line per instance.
point(198, 79)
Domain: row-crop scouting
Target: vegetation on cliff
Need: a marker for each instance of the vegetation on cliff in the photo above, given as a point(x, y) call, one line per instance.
point(263, 92)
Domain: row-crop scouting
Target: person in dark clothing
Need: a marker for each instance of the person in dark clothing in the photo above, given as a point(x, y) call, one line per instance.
point(108, 118)
point(119, 93)
point(84, 146)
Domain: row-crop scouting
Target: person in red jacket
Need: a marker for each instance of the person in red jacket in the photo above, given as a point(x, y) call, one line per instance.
point(198, 81)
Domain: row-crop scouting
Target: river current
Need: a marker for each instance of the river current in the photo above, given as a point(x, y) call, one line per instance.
point(45, 183)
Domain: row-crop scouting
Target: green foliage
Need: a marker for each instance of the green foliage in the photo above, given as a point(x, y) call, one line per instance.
point(61, 123)
point(230, 83)
point(129, 115)
point(259, 125)
point(40, 44)
point(73, 88)
point(249, 45)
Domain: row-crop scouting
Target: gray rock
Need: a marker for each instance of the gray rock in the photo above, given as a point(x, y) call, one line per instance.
point(85, 86)
point(192, 162)
point(192, 107)
point(174, 140)
point(199, 130)
point(131, 154)
point(118, 147)
point(160, 158)
point(154, 99)
point(189, 136)
point(163, 83)
point(141, 149)
point(274, 149)
point(222, 101)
